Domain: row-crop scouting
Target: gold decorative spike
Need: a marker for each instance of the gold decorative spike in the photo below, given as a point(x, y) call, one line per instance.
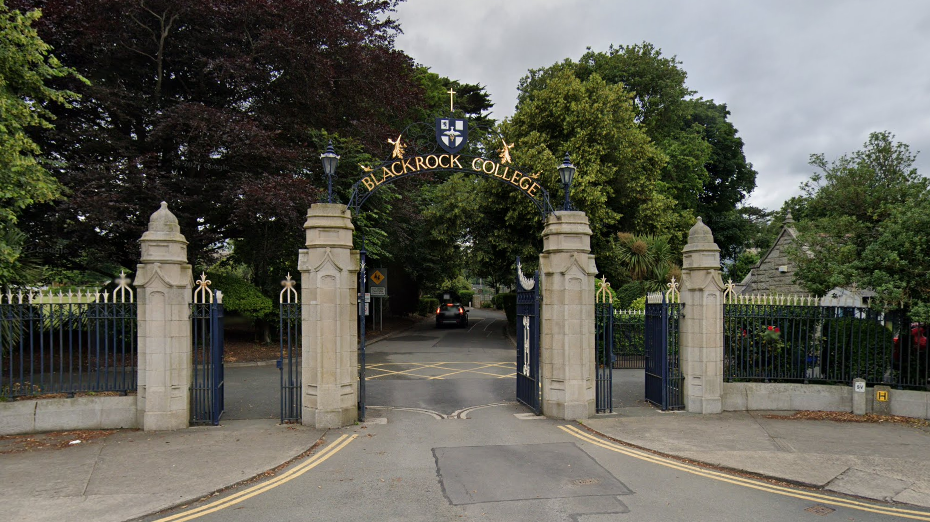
point(672, 295)
point(202, 292)
point(535, 175)
point(729, 291)
point(398, 147)
point(603, 294)
point(505, 153)
point(451, 93)
point(289, 292)
point(366, 169)
point(122, 287)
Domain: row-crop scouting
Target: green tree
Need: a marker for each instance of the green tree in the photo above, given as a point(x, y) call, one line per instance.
point(863, 224)
point(647, 259)
point(706, 172)
point(616, 183)
point(26, 69)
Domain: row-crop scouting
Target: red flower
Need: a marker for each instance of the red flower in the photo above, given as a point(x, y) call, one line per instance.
point(770, 327)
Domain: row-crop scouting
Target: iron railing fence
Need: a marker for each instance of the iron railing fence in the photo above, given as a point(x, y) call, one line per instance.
point(629, 343)
point(53, 344)
point(764, 341)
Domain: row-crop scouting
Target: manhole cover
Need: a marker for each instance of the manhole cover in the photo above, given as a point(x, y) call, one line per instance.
point(586, 482)
point(820, 510)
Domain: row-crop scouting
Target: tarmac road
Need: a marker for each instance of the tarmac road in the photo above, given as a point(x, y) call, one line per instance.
point(445, 441)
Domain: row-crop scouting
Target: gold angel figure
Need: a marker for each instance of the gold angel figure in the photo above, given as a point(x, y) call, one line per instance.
point(398, 147)
point(505, 153)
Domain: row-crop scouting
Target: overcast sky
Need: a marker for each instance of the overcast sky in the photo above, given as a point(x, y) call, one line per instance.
point(799, 77)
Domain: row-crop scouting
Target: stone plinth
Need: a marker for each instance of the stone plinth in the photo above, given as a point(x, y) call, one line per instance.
point(328, 286)
point(702, 323)
point(567, 273)
point(163, 282)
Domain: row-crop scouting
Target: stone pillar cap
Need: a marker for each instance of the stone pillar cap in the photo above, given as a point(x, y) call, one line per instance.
point(163, 225)
point(700, 233)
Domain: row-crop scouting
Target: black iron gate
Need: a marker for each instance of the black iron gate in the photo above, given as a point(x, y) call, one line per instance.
point(664, 380)
point(207, 354)
point(362, 278)
point(290, 331)
point(528, 385)
point(604, 343)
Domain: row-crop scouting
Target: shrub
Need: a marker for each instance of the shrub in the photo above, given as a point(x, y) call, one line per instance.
point(854, 348)
point(240, 296)
point(427, 306)
point(628, 293)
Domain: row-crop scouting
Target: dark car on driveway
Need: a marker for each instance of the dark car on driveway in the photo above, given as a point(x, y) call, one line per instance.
point(451, 313)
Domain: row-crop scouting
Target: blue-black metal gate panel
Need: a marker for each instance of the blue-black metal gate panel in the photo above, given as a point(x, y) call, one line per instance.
point(664, 380)
point(528, 321)
point(207, 364)
point(289, 334)
point(604, 341)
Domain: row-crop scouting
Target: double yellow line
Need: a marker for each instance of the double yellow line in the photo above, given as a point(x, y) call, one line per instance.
point(746, 482)
point(246, 494)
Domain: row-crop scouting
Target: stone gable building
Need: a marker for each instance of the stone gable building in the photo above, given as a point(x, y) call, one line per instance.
point(774, 273)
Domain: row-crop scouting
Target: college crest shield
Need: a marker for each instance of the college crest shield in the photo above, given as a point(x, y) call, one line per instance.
point(451, 134)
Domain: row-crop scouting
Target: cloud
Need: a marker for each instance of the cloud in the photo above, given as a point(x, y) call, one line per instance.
point(799, 77)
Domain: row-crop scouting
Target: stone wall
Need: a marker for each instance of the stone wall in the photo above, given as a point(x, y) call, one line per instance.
point(757, 396)
point(79, 413)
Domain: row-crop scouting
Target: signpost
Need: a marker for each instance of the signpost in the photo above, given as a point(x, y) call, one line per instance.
point(377, 285)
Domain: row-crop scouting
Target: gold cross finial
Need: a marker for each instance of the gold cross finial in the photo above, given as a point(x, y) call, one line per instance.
point(451, 94)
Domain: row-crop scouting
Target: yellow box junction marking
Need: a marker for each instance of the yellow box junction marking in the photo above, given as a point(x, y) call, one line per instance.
point(248, 493)
point(745, 482)
point(450, 369)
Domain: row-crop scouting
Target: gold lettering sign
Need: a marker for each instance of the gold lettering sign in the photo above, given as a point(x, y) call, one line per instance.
point(526, 183)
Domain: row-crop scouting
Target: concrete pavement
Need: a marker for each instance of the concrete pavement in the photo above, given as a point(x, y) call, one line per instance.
point(881, 461)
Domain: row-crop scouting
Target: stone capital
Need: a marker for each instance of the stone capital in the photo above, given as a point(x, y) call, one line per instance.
point(567, 231)
point(329, 225)
point(701, 252)
point(163, 241)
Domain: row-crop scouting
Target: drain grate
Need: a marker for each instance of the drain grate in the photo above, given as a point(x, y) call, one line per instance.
point(586, 482)
point(820, 510)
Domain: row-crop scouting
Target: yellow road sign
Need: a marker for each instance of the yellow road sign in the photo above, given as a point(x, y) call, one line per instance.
point(377, 277)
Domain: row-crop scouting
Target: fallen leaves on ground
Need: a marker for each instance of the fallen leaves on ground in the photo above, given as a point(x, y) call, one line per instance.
point(54, 440)
point(845, 416)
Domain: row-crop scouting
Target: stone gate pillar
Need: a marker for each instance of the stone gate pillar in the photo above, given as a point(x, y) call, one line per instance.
point(702, 324)
point(567, 273)
point(163, 283)
point(328, 287)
